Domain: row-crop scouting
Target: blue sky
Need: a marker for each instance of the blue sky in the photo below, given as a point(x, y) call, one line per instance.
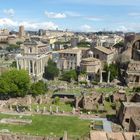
point(77, 15)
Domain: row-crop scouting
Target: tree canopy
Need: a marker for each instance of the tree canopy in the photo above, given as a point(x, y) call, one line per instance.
point(69, 75)
point(119, 44)
point(51, 71)
point(14, 83)
point(113, 71)
point(38, 88)
point(12, 47)
point(14, 64)
point(83, 44)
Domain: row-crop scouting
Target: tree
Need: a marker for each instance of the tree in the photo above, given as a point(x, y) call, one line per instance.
point(136, 89)
point(19, 43)
point(56, 100)
point(83, 44)
point(113, 68)
point(38, 88)
point(51, 71)
point(14, 83)
point(14, 64)
point(12, 47)
point(4, 87)
point(119, 44)
point(69, 75)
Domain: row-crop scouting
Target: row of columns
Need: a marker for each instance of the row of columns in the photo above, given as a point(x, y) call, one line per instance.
point(101, 76)
point(35, 65)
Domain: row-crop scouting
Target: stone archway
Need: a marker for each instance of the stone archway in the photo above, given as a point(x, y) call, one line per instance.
point(136, 50)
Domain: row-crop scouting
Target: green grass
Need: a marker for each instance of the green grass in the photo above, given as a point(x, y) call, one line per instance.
point(129, 91)
point(62, 107)
point(50, 125)
point(107, 106)
point(106, 90)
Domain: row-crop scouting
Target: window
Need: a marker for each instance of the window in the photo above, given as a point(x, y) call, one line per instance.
point(97, 56)
point(30, 50)
point(127, 120)
point(137, 79)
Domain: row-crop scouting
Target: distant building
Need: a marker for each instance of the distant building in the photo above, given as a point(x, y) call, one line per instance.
point(106, 40)
point(21, 31)
point(91, 66)
point(4, 33)
point(71, 58)
point(74, 42)
point(33, 59)
point(58, 33)
point(104, 54)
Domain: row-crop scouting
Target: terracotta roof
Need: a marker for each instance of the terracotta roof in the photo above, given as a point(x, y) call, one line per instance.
point(73, 50)
point(104, 50)
point(89, 59)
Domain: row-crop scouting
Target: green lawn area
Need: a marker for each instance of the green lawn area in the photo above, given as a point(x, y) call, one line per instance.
point(107, 106)
point(62, 107)
point(106, 90)
point(49, 125)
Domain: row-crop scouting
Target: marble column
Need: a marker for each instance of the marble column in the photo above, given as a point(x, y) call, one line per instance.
point(41, 65)
point(37, 67)
point(101, 77)
point(33, 67)
point(108, 78)
point(17, 61)
point(29, 69)
point(24, 64)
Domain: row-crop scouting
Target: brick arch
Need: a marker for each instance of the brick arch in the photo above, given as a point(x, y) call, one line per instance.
point(135, 47)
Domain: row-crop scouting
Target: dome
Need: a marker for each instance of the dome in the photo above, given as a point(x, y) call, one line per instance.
point(90, 54)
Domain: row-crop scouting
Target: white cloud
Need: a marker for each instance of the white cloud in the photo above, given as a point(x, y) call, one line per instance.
point(72, 14)
point(6, 22)
point(86, 28)
point(9, 12)
point(122, 28)
point(93, 18)
point(55, 15)
point(134, 14)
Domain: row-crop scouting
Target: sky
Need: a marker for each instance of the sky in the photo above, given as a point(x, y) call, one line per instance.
point(74, 15)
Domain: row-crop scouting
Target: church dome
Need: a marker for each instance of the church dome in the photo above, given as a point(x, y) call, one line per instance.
point(90, 54)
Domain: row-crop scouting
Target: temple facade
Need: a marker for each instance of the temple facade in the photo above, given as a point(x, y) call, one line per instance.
point(34, 58)
point(71, 58)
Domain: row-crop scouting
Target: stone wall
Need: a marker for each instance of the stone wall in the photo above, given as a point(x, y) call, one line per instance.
point(24, 137)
